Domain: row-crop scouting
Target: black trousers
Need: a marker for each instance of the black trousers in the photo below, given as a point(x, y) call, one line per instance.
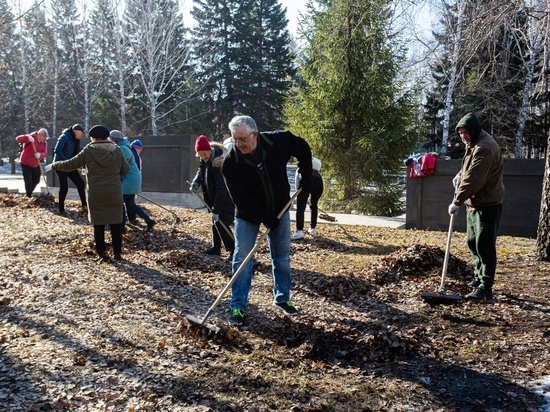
point(31, 177)
point(116, 237)
point(64, 187)
point(219, 234)
point(315, 191)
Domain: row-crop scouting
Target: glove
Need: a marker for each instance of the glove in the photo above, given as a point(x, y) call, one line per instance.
point(47, 168)
point(194, 186)
point(31, 139)
point(457, 179)
point(215, 218)
point(453, 208)
point(272, 223)
point(37, 155)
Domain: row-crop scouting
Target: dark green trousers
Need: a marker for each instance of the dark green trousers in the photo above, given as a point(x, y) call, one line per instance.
point(481, 237)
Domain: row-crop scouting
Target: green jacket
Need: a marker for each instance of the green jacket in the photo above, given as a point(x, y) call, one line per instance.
point(106, 166)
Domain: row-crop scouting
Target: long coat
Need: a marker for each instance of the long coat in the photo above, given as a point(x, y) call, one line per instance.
point(106, 167)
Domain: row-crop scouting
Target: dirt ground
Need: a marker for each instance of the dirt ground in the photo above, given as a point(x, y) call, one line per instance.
point(79, 334)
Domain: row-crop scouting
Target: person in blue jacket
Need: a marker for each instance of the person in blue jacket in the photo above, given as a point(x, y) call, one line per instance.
point(131, 184)
point(67, 147)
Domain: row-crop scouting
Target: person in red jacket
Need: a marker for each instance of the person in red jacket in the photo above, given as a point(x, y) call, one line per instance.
point(35, 148)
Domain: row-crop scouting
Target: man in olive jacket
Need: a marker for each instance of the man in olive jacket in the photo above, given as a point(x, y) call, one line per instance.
point(480, 187)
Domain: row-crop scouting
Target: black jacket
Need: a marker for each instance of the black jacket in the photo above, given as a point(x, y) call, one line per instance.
point(260, 195)
point(209, 176)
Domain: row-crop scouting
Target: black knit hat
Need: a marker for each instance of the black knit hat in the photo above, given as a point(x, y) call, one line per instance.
point(77, 127)
point(99, 132)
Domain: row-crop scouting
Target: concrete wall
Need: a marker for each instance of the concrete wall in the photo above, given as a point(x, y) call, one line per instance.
point(429, 197)
point(168, 163)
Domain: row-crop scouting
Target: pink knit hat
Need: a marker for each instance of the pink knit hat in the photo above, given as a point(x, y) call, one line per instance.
point(202, 143)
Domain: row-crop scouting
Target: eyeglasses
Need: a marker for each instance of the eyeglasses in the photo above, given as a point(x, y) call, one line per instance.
point(241, 139)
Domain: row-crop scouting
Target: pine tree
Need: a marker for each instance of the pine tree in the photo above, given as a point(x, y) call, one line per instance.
point(10, 104)
point(68, 27)
point(351, 106)
point(105, 65)
point(244, 61)
point(264, 62)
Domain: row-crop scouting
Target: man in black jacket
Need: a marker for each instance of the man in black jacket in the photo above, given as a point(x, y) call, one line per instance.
point(256, 176)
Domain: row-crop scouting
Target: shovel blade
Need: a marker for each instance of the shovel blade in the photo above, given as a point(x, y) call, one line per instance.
point(435, 298)
point(201, 323)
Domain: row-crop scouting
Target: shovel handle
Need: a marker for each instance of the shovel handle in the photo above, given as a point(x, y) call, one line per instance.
point(447, 254)
point(41, 170)
point(210, 210)
point(246, 260)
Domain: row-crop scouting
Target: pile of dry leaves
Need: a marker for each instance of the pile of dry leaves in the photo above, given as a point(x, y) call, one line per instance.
point(78, 334)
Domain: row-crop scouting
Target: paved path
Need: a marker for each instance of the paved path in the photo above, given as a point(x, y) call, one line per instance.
point(15, 183)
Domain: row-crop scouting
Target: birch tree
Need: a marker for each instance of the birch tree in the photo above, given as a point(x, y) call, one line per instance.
point(537, 18)
point(543, 233)
point(161, 60)
point(456, 42)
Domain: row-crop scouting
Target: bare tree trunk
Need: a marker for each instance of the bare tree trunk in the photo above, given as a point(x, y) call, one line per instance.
point(161, 57)
point(535, 39)
point(24, 92)
point(24, 89)
point(55, 87)
point(543, 233)
point(452, 77)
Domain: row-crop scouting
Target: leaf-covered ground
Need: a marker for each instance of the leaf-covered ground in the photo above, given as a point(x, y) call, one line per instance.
point(79, 334)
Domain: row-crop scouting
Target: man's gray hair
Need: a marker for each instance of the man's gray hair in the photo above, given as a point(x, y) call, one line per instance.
point(243, 122)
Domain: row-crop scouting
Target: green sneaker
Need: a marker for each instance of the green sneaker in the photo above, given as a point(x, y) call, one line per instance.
point(287, 307)
point(236, 317)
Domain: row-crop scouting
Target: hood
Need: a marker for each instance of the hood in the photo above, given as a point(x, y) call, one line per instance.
point(219, 153)
point(103, 152)
point(472, 124)
point(124, 142)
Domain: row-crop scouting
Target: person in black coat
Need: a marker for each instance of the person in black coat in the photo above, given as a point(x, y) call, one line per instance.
point(314, 193)
point(209, 177)
point(68, 146)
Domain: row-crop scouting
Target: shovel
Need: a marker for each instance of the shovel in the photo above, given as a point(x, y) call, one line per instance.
point(162, 207)
point(439, 297)
point(202, 322)
point(41, 170)
point(324, 215)
point(210, 210)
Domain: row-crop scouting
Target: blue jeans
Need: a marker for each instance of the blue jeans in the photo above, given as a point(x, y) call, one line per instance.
point(246, 234)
